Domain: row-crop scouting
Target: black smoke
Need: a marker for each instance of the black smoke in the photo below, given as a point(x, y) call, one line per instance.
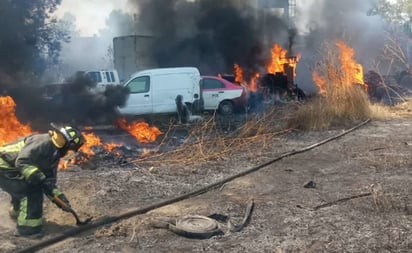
point(212, 34)
point(323, 22)
point(76, 101)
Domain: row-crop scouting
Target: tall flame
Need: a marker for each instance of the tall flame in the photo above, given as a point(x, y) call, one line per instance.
point(352, 69)
point(277, 60)
point(10, 127)
point(349, 71)
point(320, 81)
point(240, 79)
point(280, 60)
point(238, 73)
point(253, 86)
point(140, 130)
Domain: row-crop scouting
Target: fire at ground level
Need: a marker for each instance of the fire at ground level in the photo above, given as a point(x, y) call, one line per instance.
point(374, 158)
point(122, 183)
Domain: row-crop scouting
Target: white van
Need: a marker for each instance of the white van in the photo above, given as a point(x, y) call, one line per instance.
point(154, 91)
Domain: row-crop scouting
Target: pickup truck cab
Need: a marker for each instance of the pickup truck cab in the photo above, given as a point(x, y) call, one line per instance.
point(155, 91)
point(224, 96)
point(103, 78)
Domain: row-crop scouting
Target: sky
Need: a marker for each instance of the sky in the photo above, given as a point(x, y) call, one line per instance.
point(90, 14)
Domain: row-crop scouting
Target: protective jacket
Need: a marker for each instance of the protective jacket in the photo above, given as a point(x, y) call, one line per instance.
point(28, 168)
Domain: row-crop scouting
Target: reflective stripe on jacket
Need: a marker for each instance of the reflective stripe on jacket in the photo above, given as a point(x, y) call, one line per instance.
point(34, 151)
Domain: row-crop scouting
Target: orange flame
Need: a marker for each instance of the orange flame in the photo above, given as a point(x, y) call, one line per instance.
point(140, 130)
point(86, 151)
point(240, 79)
point(94, 140)
point(276, 64)
point(238, 73)
point(319, 81)
point(253, 82)
point(10, 127)
point(351, 72)
point(352, 69)
point(280, 60)
point(91, 140)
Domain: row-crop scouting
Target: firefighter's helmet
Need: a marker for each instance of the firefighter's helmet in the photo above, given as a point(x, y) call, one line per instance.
point(72, 136)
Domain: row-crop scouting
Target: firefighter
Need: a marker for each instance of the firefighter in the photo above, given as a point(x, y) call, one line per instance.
point(28, 169)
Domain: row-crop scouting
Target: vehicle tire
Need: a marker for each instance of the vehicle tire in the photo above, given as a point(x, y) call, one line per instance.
point(226, 107)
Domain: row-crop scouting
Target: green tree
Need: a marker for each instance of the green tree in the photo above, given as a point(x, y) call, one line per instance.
point(29, 38)
point(392, 11)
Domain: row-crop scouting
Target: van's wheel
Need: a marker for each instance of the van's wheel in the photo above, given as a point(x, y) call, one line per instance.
point(226, 107)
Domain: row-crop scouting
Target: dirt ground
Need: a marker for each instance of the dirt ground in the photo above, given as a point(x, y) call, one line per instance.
point(372, 159)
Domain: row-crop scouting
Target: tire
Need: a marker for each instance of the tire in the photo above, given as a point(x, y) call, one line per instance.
point(226, 107)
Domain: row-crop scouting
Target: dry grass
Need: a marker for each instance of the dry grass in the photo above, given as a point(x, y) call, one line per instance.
point(380, 112)
point(206, 142)
point(328, 112)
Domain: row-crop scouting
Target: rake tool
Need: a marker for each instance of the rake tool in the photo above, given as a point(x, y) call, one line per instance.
point(67, 208)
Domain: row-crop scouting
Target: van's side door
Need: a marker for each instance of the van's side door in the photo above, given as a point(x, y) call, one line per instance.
point(140, 99)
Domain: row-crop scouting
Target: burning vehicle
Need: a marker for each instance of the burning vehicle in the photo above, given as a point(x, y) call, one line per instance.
point(276, 84)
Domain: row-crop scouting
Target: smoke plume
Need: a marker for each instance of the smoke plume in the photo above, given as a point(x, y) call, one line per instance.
point(211, 34)
point(323, 21)
point(75, 101)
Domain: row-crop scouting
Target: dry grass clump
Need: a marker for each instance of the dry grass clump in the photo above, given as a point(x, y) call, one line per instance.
point(381, 111)
point(400, 110)
point(341, 109)
point(343, 98)
point(208, 141)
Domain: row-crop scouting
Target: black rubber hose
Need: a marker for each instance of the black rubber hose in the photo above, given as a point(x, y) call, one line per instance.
point(110, 219)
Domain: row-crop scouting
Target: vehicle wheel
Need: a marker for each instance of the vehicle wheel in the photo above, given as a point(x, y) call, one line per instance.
point(226, 107)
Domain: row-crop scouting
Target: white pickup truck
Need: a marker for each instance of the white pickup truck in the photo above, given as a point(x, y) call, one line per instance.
point(103, 78)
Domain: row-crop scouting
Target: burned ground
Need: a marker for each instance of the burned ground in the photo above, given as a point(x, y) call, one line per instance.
point(372, 159)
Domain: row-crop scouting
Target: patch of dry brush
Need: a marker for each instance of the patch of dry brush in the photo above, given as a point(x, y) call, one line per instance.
point(207, 142)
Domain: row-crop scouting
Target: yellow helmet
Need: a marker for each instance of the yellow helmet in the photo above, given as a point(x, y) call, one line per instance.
point(72, 139)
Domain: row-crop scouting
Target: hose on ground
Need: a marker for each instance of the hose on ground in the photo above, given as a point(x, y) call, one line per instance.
point(111, 219)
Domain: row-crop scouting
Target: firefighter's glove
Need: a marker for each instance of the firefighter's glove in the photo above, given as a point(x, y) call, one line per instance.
point(35, 178)
point(48, 186)
point(62, 202)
